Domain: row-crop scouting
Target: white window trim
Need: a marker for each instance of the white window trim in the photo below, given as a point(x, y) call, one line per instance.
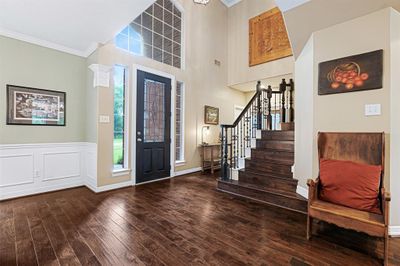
point(181, 160)
point(125, 170)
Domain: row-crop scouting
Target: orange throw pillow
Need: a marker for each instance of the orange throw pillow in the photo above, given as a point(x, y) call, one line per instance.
point(350, 184)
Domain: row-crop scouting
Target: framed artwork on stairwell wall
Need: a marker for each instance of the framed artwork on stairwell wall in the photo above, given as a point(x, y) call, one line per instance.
point(211, 115)
point(35, 107)
point(353, 73)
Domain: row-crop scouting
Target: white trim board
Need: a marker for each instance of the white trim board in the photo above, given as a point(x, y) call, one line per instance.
point(128, 183)
point(302, 191)
point(187, 171)
point(394, 230)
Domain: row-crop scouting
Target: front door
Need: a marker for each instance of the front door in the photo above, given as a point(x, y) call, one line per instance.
point(153, 124)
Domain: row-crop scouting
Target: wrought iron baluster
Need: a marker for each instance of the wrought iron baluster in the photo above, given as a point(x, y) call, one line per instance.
point(282, 89)
point(269, 117)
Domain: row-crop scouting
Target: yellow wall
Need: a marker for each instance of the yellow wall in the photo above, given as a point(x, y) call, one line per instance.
point(205, 29)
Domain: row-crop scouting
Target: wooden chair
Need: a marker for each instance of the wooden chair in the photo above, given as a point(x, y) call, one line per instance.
point(368, 148)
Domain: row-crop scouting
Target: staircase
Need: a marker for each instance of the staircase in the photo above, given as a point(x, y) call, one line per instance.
point(266, 175)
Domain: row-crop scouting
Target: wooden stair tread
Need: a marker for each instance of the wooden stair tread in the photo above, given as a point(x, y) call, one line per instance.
point(268, 175)
point(363, 216)
point(273, 161)
point(284, 193)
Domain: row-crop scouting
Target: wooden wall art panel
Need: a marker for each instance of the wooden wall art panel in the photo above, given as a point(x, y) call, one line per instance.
point(268, 39)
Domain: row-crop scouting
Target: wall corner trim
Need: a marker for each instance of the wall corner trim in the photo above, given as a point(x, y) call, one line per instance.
point(302, 191)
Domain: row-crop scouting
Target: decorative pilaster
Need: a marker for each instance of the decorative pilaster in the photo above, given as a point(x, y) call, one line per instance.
point(101, 76)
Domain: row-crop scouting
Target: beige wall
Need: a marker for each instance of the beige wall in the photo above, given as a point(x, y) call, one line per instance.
point(205, 29)
point(344, 112)
point(238, 45)
point(30, 65)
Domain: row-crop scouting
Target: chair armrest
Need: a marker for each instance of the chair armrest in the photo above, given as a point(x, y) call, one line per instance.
point(385, 205)
point(385, 195)
point(312, 189)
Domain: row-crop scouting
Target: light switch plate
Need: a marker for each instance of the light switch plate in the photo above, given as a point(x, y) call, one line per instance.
point(104, 119)
point(372, 109)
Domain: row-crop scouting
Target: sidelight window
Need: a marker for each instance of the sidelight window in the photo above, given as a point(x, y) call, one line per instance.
point(120, 134)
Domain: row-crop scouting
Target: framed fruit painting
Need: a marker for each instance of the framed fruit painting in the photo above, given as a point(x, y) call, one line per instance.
point(352, 73)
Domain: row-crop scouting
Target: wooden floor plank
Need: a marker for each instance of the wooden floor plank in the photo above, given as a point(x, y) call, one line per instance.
point(25, 249)
point(44, 250)
point(183, 221)
point(7, 236)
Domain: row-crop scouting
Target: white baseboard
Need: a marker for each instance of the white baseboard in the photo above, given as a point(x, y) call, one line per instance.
point(111, 187)
point(302, 191)
point(394, 231)
point(38, 190)
point(187, 171)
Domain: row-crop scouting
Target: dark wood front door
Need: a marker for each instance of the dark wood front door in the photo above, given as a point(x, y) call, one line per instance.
point(153, 124)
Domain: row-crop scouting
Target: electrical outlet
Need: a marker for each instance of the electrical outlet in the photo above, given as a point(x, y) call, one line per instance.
point(104, 119)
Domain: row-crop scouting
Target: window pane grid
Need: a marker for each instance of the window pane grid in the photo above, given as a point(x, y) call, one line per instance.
point(156, 34)
point(179, 155)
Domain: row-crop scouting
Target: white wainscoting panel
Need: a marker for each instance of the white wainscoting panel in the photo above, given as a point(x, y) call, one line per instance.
point(11, 172)
point(58, 165)
point(27, 169)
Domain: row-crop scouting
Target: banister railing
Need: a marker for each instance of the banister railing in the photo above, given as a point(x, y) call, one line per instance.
point(265, 111)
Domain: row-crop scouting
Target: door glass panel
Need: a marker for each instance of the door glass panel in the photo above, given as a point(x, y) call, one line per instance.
point(154, 111)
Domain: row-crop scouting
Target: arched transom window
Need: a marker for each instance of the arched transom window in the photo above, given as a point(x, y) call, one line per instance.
point(156, 34)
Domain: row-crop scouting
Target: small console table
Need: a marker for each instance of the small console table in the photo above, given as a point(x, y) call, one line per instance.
point(210, 157)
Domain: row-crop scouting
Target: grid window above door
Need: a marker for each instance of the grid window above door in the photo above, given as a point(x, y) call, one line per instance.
point(156, 34)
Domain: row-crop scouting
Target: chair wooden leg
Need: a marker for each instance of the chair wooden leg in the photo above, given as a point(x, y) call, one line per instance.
point(309, 226)
point(386, 251)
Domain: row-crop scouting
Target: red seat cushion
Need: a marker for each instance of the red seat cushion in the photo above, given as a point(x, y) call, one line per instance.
point(350, 184)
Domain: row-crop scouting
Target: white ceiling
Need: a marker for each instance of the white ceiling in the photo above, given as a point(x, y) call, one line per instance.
point(72, 26)
point(285, 5)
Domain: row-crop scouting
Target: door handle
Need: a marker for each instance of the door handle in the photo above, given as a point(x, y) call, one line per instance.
point(139, 140)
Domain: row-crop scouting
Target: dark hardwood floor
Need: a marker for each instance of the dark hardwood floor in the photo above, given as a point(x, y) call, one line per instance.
point(183, 221)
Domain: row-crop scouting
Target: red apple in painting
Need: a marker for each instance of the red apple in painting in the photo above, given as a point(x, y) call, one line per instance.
point(338, 78)
point(335, 85)
point(359, 83)
point(364, 76)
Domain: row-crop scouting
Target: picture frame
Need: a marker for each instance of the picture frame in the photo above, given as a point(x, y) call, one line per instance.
point(29, 106)
point(352, 73)
point(211, 115)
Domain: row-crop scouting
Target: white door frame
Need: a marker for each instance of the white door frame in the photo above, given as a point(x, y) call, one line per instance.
point(135, 69)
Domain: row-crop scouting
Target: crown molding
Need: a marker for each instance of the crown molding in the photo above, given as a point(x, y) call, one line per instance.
point(47, 44)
